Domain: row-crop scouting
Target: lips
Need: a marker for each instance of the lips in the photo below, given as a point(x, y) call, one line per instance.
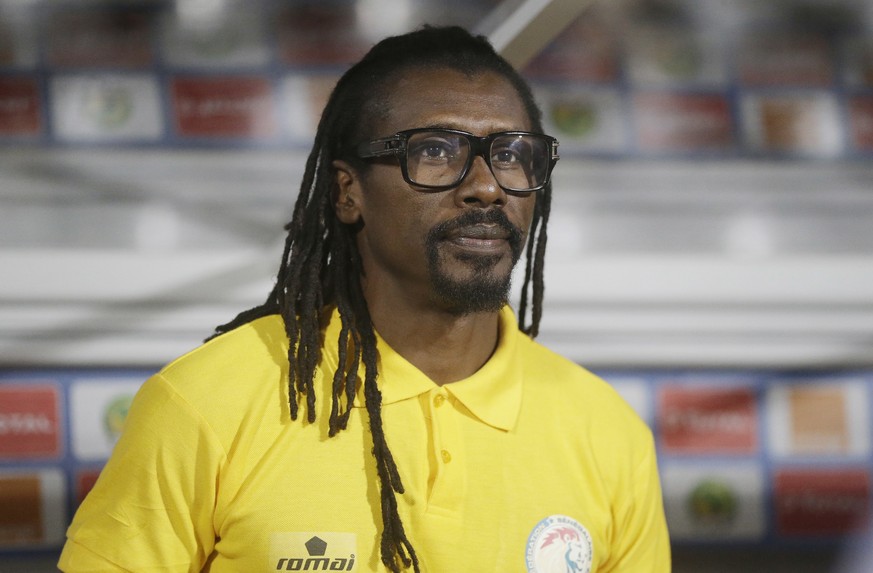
point(484, 232)
point(479, 232)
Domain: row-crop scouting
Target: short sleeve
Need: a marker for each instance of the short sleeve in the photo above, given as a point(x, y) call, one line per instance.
point(642, 542)
point(152, 506)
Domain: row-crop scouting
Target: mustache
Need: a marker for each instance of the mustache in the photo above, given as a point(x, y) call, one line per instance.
point(479, 217)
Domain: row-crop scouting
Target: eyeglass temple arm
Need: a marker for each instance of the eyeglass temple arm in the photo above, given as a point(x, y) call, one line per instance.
point(380, 147)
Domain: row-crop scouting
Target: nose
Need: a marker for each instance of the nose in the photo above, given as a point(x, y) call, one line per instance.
point(479, 188)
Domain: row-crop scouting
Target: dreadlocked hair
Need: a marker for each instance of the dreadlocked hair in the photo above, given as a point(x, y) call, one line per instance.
point(321, 266)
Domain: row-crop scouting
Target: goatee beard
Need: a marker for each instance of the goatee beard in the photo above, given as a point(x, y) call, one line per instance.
point(483, 290)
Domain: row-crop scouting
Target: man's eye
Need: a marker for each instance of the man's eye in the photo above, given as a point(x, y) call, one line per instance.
point(504, 156)
point(435, 149)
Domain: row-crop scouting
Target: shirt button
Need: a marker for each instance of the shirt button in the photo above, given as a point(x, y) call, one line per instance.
point(438, 400)
point(447, 457)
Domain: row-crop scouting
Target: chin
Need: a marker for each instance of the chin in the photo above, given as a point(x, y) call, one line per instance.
point(480, 292)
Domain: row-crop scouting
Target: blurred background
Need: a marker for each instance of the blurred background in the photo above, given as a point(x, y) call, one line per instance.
point(710, 248)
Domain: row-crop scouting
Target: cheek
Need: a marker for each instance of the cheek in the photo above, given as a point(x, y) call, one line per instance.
point(397, 217)
point(417, 220)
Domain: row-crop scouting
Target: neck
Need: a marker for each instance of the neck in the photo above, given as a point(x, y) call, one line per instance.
point(444, 346)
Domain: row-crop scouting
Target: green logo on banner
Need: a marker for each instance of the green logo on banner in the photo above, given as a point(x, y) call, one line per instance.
point(115, 414)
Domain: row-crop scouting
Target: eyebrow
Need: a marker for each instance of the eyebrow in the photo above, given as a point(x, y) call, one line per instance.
point(442, 126)
point(465, 129)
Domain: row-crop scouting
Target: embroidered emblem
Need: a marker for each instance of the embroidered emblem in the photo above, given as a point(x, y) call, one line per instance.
point(559, 544)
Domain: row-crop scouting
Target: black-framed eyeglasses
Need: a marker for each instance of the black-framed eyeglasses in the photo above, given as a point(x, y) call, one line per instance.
point(437, 159)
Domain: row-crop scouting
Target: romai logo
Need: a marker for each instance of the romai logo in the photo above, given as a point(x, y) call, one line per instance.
point(308, 551)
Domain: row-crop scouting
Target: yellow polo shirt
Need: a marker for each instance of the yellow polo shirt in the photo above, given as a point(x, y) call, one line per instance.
point(532, 464)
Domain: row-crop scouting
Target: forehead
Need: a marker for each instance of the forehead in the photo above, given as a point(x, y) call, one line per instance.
point(481, 103)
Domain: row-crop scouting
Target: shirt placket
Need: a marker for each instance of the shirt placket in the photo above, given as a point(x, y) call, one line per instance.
point(449, 484)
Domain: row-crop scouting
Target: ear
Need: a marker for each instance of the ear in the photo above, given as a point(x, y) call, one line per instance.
point(347, 193)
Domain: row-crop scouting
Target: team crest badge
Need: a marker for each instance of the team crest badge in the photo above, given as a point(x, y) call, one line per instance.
point(559, 544)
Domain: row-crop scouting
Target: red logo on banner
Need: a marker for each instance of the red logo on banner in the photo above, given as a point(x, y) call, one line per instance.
point(29, 421)
point(861, 120)
point(708, 420)
point(223, 107)
point(821, 501)
point(683, 121)
point(19, 106)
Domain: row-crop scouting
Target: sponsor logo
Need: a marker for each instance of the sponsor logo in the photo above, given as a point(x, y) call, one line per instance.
point(19, 107)
point(32, 508)
point(224, 107)
point(115, 415)
point(818, 419)
point(108, 106)
point(29, 421)
point(576, 118)
point(308, 551)
point(559, 544)
point(684, 121)
point(713, 501)
point(861, 120)
point(821, 502)
point(25, 423)
point(21, 520)
point(788, 124)
point(696, 420)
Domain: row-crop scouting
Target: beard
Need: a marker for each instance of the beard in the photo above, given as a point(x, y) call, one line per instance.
point(483, 289)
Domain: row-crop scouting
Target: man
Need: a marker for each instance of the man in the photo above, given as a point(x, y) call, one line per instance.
point(383, 410)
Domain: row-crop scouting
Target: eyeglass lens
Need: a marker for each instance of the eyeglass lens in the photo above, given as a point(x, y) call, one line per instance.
point(438, 158)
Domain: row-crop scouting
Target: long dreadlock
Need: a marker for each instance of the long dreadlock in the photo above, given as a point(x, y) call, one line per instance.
point(321, 266)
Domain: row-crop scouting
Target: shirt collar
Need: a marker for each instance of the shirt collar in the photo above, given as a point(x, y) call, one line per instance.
point(492, 394)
